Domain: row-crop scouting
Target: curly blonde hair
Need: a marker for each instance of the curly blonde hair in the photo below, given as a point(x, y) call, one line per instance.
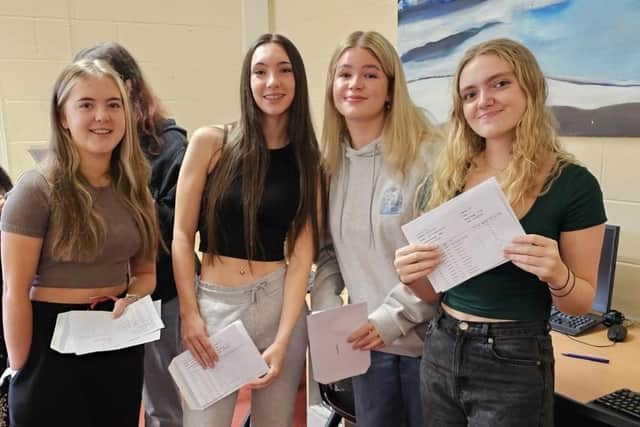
point(406, 127)
point(535, 141)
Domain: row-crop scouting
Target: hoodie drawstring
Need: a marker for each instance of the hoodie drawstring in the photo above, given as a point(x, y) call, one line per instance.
point(374, 182)
point(345, 172)
point(345, 185)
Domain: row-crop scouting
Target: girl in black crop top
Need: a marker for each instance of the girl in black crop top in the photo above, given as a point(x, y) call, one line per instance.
point(251, 189)
point(497, 320)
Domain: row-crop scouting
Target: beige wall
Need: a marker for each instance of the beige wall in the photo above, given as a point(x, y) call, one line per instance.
point(614, 161)
point(191, 51)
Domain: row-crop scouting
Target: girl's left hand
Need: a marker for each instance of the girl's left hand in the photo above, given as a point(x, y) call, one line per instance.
point(538, 255)
point(121, 304)
point(274, 357)
point(366, 337)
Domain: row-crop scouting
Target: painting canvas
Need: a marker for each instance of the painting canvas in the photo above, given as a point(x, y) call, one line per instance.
point(588, 50)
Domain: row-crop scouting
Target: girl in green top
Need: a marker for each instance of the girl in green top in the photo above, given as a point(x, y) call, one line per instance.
point(488, 358)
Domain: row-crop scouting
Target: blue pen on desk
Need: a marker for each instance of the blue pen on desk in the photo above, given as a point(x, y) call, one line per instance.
point(585, 357)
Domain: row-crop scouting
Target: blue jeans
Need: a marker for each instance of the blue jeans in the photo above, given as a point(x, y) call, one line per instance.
point(487, 374)
point(388, 394)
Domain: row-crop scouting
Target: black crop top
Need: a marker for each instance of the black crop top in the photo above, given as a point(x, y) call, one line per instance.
point(276, 211)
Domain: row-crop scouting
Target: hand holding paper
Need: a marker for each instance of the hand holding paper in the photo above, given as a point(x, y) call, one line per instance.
point(274, 357)
point(416, 260)
point(471, 232)
point(82, 331)
point(332, 357)
point(366, 337)
point(239, 362)
point(538, 255)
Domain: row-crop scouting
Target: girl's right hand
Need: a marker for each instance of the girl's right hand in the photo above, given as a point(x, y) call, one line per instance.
point(196, 340)
point(416, 261)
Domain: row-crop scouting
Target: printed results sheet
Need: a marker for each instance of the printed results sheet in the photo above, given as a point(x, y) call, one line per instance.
point(86, 331)
point(239, 362)
point(471, 231)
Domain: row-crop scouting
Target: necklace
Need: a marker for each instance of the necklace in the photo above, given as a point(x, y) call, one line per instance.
point(489, 166)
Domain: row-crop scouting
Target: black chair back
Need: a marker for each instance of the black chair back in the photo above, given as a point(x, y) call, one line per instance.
point(339, 397)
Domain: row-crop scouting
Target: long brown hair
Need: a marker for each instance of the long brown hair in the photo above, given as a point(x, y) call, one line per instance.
point(79, 231)
point(147, 108)
point(246, 151)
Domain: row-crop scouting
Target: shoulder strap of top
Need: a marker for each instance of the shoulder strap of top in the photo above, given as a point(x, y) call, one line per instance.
point(225, 129)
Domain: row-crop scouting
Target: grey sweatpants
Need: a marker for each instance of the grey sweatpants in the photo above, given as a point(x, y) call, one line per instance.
point(159, 394)
point(259, 306)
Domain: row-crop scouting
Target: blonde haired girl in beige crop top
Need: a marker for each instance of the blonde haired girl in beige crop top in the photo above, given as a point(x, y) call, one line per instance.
point(72, 230)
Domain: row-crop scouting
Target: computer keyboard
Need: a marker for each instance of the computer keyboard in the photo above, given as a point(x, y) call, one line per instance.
point(572, 325)
point(623, 402)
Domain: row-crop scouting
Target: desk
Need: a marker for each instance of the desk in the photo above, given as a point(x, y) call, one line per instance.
point(580, 381)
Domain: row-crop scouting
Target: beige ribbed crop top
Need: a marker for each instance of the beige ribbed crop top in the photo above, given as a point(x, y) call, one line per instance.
point(27, 212)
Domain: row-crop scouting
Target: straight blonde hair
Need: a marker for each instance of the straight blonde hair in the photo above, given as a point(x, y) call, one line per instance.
point(406, 127)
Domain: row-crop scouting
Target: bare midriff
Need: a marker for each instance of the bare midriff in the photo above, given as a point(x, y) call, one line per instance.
point(68, 295)
point(470, 317)
point(235, 272)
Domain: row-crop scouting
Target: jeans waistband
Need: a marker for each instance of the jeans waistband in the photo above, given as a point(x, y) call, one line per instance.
point(516, 328)
point(245, 293)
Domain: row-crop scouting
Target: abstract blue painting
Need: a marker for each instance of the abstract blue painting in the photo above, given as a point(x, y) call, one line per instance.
point(589, 51)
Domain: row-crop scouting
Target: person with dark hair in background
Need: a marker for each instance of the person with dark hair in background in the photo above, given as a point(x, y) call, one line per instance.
point(163, 143)
point(5, 186)
point(253, 191)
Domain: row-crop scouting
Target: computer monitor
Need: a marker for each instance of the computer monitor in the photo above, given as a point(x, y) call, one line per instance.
point(607, 269)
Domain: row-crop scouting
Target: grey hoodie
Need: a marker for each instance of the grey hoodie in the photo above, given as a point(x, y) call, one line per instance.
point(367, 206)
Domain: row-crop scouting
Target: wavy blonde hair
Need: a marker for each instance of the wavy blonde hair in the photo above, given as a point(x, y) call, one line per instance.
point(79, 231)
point(535, 139)
point(406, 127)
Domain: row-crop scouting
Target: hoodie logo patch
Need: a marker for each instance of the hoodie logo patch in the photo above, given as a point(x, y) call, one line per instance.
point(391, 201)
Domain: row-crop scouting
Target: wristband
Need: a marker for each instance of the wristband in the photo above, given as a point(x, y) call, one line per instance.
point(134, 297)
point(566, 282)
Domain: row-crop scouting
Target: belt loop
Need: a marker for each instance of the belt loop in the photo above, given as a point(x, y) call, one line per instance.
point(253, 296)
point(439, 317)
point(486, 329)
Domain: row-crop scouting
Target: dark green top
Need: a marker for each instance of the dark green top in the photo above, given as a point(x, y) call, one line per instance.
point(573, 202)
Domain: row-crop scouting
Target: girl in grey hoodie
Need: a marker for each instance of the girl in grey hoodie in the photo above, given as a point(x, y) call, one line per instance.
point(377, 147)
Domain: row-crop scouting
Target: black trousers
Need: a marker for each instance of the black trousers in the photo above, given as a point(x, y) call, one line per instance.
point(477, 374)
point(93, 390)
